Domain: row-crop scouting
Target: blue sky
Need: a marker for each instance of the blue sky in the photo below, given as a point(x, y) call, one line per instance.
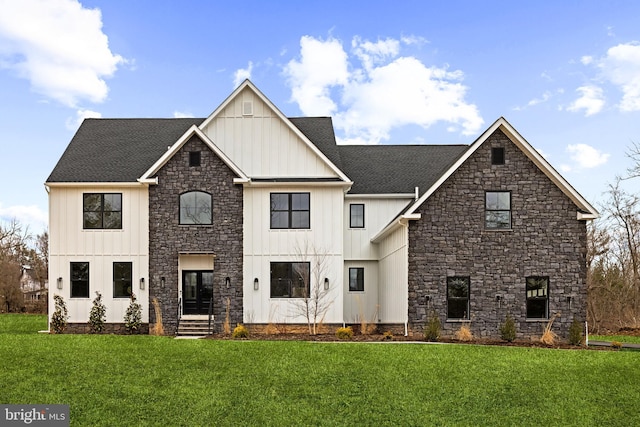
point(565, 74)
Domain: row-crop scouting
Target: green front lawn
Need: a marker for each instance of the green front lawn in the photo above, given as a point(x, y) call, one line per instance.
point(619, 338)
point(145, 380)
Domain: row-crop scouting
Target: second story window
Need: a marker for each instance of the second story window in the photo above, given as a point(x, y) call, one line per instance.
point(497, 210)
point(195, 208)
point(102, 210)
point(290, 210)
point(356, 215)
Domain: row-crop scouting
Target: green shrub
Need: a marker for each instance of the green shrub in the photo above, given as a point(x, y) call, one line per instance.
point(133, 316)
point(508, 329)
point(344, 333)
point(240, 331)
point(59, 316)
point(98, 314)
point(575, 332)
point(432, 331)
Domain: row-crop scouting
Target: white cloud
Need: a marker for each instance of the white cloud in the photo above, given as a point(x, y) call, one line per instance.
point(322, 65)
point(59, 47)
point(621, 66)
point(182, 115)
point(591, 100)
point(585, 156)
point(387, 90)
point(28, 216)
point(586, 60)
point(73, 123)
point(242, 74)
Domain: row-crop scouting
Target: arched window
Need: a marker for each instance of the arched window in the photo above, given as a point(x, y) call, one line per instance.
point(195, 208)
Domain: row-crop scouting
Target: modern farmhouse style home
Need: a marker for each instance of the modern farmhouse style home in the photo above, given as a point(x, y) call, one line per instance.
point(247, 214)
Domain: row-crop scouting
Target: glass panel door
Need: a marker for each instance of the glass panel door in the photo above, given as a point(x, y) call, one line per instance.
point(197, 291)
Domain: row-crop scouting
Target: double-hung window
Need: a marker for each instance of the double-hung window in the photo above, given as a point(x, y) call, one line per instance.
point(458, 297)
point(102, 210)
point(290, 279)
point(356, 215)
point(290, 210)
point(356, 279)
point(79, 280)
point(122, 283)
point(497, 210)
point(538, 297)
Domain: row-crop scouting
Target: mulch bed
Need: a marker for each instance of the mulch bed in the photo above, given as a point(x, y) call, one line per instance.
point(396, 338)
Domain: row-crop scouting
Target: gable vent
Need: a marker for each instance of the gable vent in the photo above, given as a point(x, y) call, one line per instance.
point(247, 108)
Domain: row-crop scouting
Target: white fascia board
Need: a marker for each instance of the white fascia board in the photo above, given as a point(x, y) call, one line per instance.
point(529, 151)
point(251, 183)
point(94, 184)
point(586, 216)
point(400, 221)
point(381, 196)
point(285, 119)
point(193, 130)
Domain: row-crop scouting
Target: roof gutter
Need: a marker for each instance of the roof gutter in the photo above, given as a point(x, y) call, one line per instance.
point(400, 221)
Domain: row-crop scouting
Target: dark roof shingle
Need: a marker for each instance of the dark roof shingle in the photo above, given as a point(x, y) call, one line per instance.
point(121, 150)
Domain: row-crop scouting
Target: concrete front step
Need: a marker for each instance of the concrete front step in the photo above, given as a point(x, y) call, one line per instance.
point(193, 327)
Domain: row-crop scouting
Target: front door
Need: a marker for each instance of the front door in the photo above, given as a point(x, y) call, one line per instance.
point(197, 291)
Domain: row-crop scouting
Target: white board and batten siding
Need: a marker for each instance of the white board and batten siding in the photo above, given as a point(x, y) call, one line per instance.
point(393, 279)
point(361, 253)
point(69, 242)
point(262, 246)
point(261, 143)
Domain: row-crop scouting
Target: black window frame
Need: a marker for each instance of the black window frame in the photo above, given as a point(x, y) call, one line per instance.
point(491, 213)
point(289, 213)
point(356, 284)
point(89, 213)
point(497, 155)
point(122, 286)
point(454, 302)
point(195, 158)
point(79, 284)
point(293, 285)
point(181, 209)
point(537, 303)
point(356, 216)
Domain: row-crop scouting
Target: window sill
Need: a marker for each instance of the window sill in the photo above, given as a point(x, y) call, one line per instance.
point(536, 320)
point(458, 320)
point(498, 230)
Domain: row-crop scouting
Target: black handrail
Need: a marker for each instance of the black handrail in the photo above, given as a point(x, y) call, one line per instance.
point(210, 313)
point(179, 314)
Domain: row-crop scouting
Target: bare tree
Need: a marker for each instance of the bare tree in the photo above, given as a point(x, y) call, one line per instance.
point(315, 295)
point(13, 255)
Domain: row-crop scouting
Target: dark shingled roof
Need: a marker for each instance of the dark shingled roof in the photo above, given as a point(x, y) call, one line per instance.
point(117, 150)
point(121, 150)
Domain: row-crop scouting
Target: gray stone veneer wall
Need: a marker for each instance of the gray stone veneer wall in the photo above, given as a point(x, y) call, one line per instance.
point(450, 240)
point(167, 238)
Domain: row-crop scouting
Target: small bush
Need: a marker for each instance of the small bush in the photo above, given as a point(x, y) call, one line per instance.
point(616, 345)
point(432, 331)
point(387, 336)
point(98, 315)
point(240, 331)
point(464, 334)
point(575, 332)
point(508, 329)
point(59, 316)
point(133, 316)
point(344, 333)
